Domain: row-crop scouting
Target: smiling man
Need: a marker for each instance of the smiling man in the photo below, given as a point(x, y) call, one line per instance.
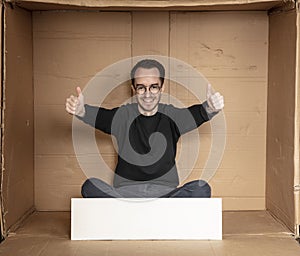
point(147, 133)
point(148, 85)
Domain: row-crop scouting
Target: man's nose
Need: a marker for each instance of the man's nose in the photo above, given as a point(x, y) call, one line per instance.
point(147, 92)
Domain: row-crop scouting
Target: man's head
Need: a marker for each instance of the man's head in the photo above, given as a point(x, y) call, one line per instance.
point(147, 78)
point(148, 64)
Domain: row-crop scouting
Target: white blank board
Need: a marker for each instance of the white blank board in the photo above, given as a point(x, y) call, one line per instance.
point(146, 219)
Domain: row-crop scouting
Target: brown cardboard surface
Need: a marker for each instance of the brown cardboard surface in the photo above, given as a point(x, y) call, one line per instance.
point(245, 233)
point(156, 40)
point(281, 117)
point(297, 134)
point(18, 116)
point(1, 144)
point(231, 51)
point(69, 49)
point(1, 115)
point(154, 5)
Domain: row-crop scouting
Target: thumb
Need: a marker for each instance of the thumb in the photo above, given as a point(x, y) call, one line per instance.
point(78, 89)
point(209, 91)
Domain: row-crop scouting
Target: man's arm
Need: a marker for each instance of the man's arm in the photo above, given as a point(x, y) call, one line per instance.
point(97, 117)
point(195, 115)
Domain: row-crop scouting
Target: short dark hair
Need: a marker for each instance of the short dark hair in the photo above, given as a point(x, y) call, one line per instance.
point(148, 64)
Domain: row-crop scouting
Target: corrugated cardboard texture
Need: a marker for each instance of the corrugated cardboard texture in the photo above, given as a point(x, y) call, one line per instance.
point(18, 116)
point(230, 49)
point(281, 117)
point(153, 5)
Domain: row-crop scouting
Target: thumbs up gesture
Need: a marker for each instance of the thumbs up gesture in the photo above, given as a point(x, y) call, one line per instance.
point(215, 100)
point(75, 104)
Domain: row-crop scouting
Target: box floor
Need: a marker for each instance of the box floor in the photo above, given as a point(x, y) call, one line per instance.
point(244, 233)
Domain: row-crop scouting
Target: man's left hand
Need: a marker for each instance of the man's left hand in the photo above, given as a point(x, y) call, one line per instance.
point(215, 100)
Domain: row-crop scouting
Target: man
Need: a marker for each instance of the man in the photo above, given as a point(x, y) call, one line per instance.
point(147, 133)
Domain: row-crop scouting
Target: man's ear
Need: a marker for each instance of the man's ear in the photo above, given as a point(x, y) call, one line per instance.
point(133, 89)
point(162, 88)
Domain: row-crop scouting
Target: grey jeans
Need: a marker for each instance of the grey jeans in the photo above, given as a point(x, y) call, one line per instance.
point(96, 188)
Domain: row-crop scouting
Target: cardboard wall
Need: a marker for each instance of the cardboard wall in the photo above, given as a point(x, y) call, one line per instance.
point(229, 48)
point(18, 117)
point(1, 79)
point(281, 117)
point(69, 49)
point(297, 134)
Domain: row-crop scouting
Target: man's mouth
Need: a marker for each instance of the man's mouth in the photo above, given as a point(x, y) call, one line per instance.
point(148, 100)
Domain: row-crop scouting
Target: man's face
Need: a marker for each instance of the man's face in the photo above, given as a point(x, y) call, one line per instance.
point(148, 90)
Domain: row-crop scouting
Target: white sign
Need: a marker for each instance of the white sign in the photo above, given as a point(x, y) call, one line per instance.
point(146, 219)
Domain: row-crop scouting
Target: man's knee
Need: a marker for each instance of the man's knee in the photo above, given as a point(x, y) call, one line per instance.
point(205, 188)
point(96, 188)
point(199, 188)
point(88, 187)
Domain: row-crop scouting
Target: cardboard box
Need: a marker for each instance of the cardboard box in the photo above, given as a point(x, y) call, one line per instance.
point(248, 50)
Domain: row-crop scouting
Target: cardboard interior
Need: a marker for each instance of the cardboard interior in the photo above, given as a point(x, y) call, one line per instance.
point(297, 137)
point(280, 171)
point(1, 94)
point(245, 233)
point(18, 120)
point(242, 53)
point(187, 5)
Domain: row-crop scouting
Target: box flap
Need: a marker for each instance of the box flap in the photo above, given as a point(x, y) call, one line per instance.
point(137, 4)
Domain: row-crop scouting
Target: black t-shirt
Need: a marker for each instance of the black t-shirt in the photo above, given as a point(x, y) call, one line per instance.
point(146, 144)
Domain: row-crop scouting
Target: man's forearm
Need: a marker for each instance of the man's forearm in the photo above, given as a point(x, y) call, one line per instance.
point(210, 112)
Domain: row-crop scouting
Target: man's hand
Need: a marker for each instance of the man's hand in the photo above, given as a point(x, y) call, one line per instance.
point(75, 105)
point(215, 100)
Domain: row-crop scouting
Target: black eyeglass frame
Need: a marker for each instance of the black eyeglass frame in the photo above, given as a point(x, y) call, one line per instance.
point(150, 88)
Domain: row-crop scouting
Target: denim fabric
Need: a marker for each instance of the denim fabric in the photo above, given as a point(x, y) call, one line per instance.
point(96, 188)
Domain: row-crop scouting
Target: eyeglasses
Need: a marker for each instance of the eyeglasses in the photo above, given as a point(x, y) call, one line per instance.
point(141, 89)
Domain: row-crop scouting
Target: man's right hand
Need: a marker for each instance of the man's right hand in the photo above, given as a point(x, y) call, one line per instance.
point(75, 104)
